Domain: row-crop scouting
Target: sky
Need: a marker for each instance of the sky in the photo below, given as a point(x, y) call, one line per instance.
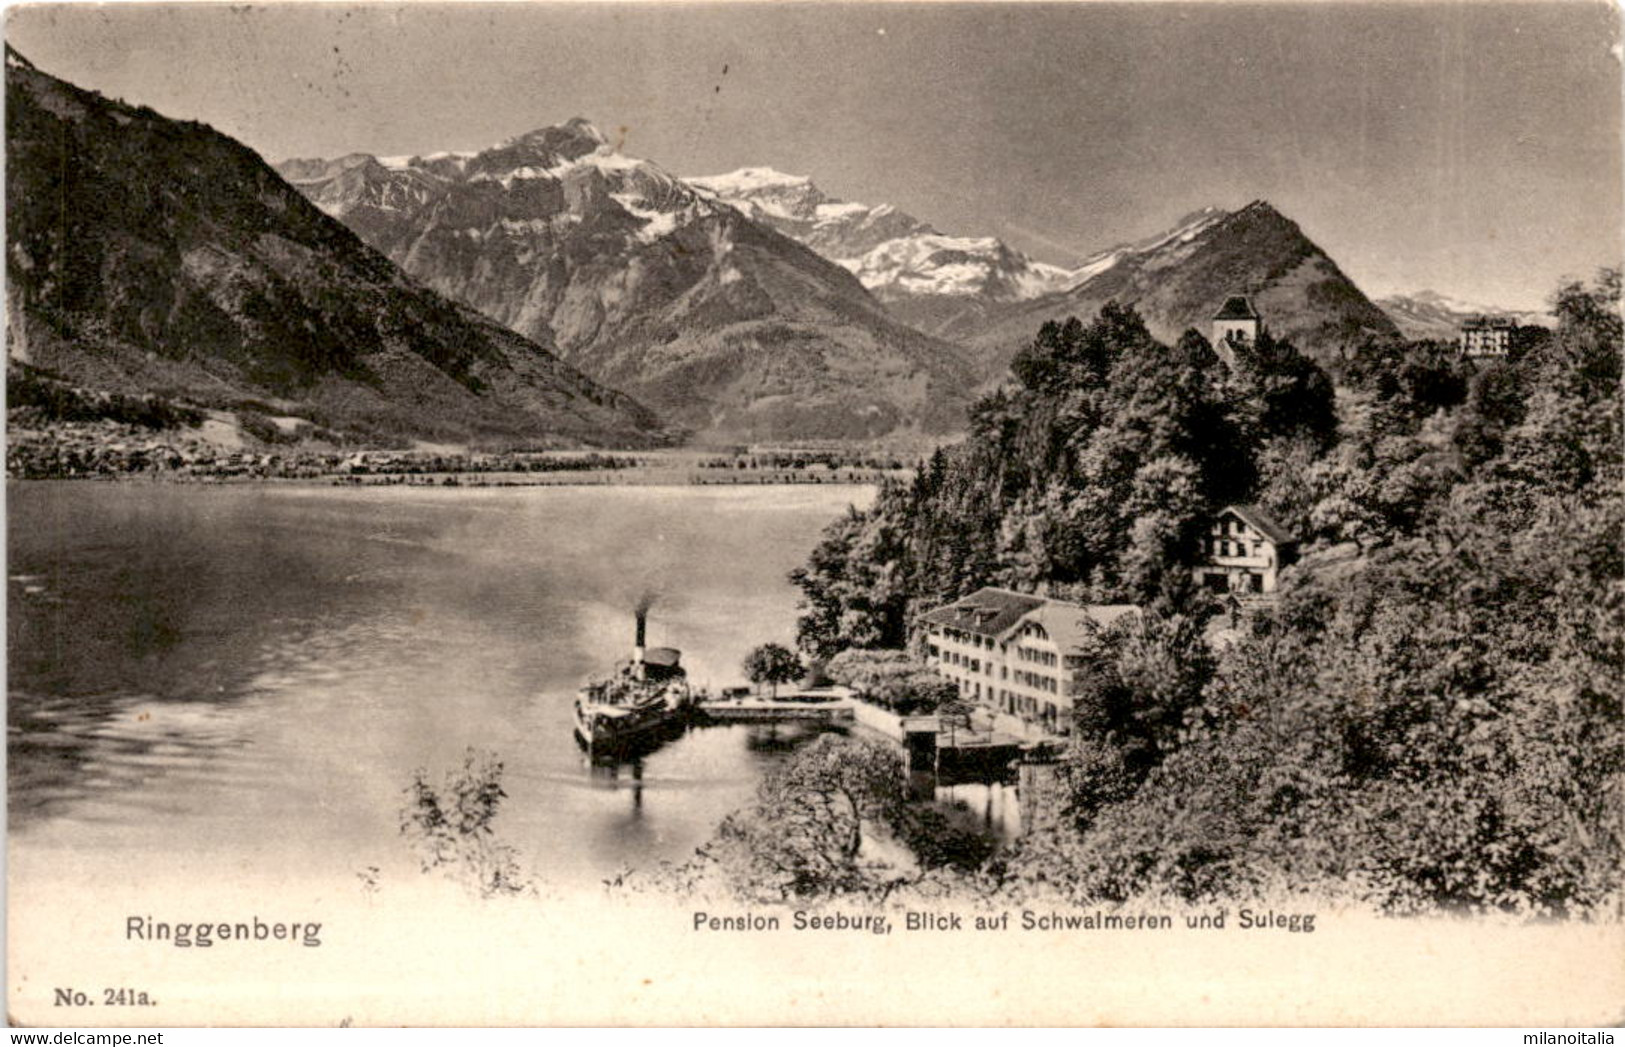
point(1469, 148)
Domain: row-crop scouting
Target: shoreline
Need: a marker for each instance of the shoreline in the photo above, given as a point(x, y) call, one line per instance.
point(131, 455)
point(628, 478)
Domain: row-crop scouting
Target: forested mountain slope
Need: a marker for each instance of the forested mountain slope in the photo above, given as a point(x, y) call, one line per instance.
point(151, 255)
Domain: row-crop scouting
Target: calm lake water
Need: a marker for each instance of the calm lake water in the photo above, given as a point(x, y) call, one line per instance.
point(244, 678)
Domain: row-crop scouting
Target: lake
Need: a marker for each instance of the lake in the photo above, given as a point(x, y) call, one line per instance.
point(243, 678)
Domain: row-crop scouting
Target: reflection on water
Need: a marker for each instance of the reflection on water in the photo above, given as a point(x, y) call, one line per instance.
point(989, 807)
point(248, 676)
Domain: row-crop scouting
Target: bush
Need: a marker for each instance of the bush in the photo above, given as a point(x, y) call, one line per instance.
point(451, 827)
point(263, 429)
point(892, 679)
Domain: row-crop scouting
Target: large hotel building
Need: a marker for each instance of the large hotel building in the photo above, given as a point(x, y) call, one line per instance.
point(1015, 652)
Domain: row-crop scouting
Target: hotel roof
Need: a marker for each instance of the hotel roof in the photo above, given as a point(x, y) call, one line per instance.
point(986, 612)
point(1069, 624)
point(996, 613)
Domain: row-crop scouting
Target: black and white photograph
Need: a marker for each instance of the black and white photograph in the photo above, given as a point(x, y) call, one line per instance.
point(807, 514)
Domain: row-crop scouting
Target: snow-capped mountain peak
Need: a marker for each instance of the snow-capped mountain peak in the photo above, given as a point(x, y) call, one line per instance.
point(1183, 231)
point(589, 174)
point(651, 283)
point(401, 163)
point(554, 148)
point(891, 252)
point(750, 180)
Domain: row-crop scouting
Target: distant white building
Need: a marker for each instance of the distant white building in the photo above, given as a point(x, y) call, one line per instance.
point(1486, 336)
point(1245, 551)
point(1014, 652)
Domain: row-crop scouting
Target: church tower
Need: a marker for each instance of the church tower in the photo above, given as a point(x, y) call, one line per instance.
point(1235, 323)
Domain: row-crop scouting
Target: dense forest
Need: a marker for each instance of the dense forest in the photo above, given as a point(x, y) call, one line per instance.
point(1090, 476)
point(1427, 717)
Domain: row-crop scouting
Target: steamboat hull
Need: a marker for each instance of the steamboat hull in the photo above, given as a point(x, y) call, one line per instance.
point(603, 728)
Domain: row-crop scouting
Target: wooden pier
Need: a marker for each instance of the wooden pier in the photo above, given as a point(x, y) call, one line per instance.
point(765, 710)
point(929, 742)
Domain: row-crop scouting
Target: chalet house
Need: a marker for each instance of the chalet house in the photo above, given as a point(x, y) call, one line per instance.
point(1244, 551)
point(1486, 336)
point(1236, 322)
point(1015, 653)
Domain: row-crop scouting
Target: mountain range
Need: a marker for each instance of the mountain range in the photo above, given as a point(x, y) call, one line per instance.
point(505, 292)
point(892, 253)
point(151, 255)
point(650, 285)
point(981, 293)
point(1179, 279)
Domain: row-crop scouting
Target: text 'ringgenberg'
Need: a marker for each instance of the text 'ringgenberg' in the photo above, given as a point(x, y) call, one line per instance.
point(204, 934)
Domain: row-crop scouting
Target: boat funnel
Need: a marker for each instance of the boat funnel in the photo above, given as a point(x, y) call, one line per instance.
point(643, 626)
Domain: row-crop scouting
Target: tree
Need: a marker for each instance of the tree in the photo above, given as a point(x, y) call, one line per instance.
point(1169, 514)
point(451, 826)
point(806, 834)
point(1281, 392)
point(772, 664)
point(822, 582)
point(1586, 350)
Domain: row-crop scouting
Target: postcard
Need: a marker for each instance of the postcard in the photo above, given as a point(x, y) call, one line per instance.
point(824, 514)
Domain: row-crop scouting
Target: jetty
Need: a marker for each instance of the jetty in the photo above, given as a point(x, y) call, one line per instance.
point(928, 739)
point(738, 705)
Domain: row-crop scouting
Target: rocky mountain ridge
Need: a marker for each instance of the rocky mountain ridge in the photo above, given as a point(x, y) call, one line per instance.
point(1178, 279)
point(895, 255)
point(649, 284)
point(980, 293)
